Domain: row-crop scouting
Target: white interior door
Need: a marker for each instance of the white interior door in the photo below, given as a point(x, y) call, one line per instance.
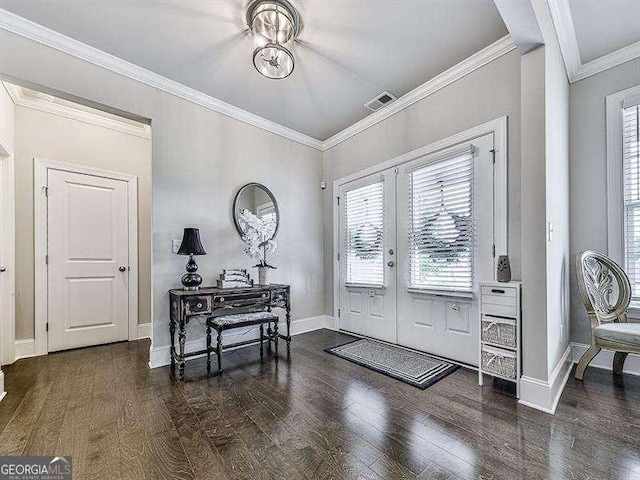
point(367, 256)
point(445, 246)
point(87, 228)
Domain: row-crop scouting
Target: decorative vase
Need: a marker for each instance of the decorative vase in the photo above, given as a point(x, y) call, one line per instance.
point(263, 275)
point(503, 270)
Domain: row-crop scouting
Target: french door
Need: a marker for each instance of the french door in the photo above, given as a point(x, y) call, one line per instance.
point(415, 241)
point(367, 257)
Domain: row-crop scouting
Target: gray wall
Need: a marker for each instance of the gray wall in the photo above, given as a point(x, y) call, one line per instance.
point(533, 204)
point(486, 94)
point(199, 160)
point(545, 203)
point(588, 170)
point(54, 137)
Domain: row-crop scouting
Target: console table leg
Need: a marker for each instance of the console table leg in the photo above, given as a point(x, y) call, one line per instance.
point(172, 333)
point(269, 337)
point(288, 331)
point(182, 336)
point(208, 348)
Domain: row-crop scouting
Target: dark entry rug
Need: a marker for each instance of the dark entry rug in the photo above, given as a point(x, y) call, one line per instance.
point(414, 368)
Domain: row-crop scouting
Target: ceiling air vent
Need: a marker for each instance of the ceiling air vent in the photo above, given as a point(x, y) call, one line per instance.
point(380, 101)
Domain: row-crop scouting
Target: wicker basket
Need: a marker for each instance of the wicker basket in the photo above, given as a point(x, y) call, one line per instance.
point(499, 331)
point(499, 362)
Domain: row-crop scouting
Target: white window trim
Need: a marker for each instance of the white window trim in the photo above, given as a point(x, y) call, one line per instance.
point(497, 127)
point(615, 188)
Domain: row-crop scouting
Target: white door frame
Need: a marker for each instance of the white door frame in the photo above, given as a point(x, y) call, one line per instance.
point(41, 166)
point(500, 194)
point(7, 202)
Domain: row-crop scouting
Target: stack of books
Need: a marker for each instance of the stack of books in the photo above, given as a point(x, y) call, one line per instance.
point(236, 278)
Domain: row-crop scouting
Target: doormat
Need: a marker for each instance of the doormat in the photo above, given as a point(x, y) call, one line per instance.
point(417, 369)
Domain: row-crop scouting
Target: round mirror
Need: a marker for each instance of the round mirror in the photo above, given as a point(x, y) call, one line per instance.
point(255, 204)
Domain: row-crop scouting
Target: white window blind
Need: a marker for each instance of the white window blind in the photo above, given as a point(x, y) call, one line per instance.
point(440, 225)
point(364, 218)
point(631, 175)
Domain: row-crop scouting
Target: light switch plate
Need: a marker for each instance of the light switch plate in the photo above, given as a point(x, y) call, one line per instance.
point(176, 245)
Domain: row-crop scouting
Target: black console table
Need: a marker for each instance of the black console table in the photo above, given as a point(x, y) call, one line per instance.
point(207, 302)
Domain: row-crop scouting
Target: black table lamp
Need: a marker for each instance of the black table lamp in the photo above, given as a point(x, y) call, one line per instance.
point(191, 246)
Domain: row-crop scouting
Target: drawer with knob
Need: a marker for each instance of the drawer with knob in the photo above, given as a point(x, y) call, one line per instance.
point(238, 300)
point(199, 305)
point(279, 297)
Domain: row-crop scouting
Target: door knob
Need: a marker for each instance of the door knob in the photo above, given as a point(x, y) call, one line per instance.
point(122, 268)
point(3, 269)
point(391, 263)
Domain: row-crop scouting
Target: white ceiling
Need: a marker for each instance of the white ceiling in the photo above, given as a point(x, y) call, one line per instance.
point(602, 27)
point(347, 53)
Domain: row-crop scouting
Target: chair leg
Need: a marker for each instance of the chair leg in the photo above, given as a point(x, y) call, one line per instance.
point(219, 352)
point(585, 361)
point(208, 348)
point(618, 362)
point(261, 340)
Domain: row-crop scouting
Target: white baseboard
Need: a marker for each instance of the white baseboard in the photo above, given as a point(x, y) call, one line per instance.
point(545, 395)
point(25, 348)
point(159, 356)
point(2, 392)
point(144, 330)
point(604, 359)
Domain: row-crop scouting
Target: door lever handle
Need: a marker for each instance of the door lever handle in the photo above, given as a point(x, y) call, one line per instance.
point(391, 263)
point(122, 268)
point(3, 269)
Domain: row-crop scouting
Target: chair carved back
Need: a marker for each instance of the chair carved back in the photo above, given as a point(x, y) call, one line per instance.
point(596, 274)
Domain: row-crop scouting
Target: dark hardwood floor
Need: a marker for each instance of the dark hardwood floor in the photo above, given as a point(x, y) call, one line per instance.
point(314, 417)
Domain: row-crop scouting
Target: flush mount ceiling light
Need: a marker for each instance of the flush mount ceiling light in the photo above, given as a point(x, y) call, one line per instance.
point(275, 24)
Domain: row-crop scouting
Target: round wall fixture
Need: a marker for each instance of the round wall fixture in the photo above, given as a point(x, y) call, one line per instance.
point(274, 24)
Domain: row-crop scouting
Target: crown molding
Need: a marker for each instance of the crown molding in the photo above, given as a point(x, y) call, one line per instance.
point(45, 36)
point(608, 61)
point(43, 105)
point(467, 66)
point(576, 70)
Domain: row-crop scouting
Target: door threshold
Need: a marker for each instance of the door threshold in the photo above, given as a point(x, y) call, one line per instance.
point(415, 350)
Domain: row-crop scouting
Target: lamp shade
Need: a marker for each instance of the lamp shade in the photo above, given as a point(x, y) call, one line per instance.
point(191, 244)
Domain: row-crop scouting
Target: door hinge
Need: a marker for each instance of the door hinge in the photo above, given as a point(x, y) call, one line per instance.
point(47, 327)
point(338, 198)
point(493, 153)
point(46, 191)
point(46, 259)
point(338, 257)
point(493, 250)
point(338, 312)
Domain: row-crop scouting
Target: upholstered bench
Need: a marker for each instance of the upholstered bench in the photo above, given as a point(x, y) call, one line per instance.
point(239, 320)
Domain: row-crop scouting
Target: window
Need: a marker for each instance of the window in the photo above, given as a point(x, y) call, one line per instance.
point(623, 185)
point(631, 187)
point(440, 230)
point(364, 218)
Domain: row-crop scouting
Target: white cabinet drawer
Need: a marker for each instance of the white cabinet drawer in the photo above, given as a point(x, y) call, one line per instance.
point(502, 291)
point(499, 300)
point(499, 310)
